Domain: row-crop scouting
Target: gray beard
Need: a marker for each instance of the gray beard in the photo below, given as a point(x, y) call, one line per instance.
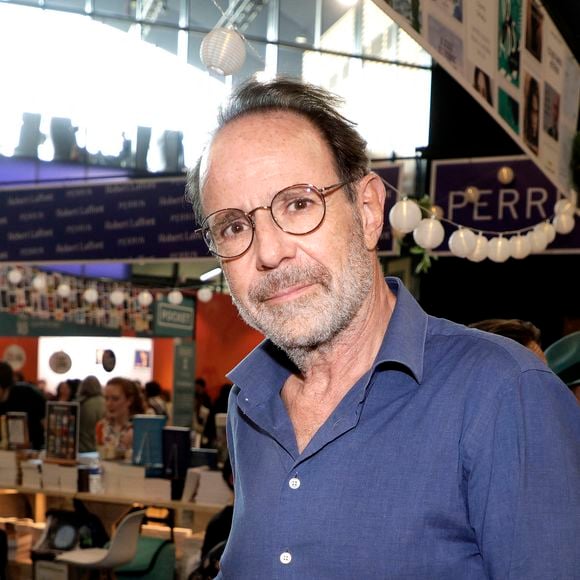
point(313, 322)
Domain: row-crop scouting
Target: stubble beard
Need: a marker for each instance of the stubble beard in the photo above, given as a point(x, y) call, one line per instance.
point(315, 320)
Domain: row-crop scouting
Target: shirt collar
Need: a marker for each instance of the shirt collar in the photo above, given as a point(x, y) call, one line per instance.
point(403, 344)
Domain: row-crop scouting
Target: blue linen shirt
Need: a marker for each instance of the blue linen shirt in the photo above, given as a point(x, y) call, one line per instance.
point(456, 456)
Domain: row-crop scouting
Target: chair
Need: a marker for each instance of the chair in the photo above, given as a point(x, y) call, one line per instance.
point(122, 548)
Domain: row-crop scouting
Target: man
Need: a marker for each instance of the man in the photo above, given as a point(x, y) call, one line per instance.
point(367, 439)
point(23, 397)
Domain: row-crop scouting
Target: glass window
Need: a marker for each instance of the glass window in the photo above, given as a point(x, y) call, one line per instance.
point(297, 21)
point(125, 8)
point(73, 5)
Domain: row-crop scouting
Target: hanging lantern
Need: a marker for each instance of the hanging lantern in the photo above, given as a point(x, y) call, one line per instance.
point(175, 297)
point(90, 295)
point(564, 206)
point(498, 249)
point(117, 297)
point(405, 215)
point(479, 252)
point(39, 282)
point(145, 298)
point(547, 229)
point(505, 175)
point(563, 223)
point(15, 276)
point(520, 247)
point(472, 194)
point(538, 240)
point(63, 290)
point(429, 233)
point(205, 294)
point(462, 242)
point(223, 50)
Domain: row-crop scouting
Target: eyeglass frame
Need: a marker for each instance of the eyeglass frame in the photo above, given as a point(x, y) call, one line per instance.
point(321, 191)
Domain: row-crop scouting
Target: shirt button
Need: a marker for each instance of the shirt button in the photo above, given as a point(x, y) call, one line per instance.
point(294, 483)
point(285, 557)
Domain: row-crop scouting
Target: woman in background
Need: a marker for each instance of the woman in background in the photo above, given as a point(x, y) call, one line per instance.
point(114, 432)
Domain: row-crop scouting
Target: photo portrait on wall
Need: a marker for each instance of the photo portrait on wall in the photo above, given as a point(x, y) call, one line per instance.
point(531, 113)
point(482, 84)
point(534, 24)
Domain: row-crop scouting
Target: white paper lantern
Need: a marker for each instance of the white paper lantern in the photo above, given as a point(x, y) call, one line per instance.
point(498, 249)
point(145, 298)
point(63, 290)
point(405, 215)
point(538, 240)
point(15, 276)
point(117, 297)
point(39, 282)
point(520, 247)
point(462, 242)
point(429, 233)
point(564, 206)
point(479, 252)
point(205, 294)
point(563, 223)
point(90, 295)
point(223, 50)
point(175, 297)
point(547, 229)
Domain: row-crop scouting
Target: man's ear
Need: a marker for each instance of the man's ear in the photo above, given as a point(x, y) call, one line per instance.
point(371, 200)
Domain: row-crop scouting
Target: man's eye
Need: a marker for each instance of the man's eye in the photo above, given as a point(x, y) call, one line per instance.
point(233, 229)
point(299, 204)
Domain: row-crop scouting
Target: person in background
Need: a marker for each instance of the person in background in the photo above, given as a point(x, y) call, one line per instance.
point(154, 398)
point(367, 438)
point(92, 410)
point(66, 391)
point(114, 432)
point(23, 397)
point(522, 331)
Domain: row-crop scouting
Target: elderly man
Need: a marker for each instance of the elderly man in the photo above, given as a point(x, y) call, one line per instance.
point(367, 439)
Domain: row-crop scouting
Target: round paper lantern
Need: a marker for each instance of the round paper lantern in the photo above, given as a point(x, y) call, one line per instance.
point(538, 240)
point(429, 233)
point(15, 276)
point(223, 50)
point(564, 206)
point(205, 294)
point(479, 252)
point(90, 295)
point(39, 282)
point(145, 298)
point(117, 297)
point(175, 297)
point(472, 194)
point(563, 223)
point(405, 215)
point(498, 249)
point(63, 290)
point(547, 229)
point(462, 242)
point(520, 247)
point(505, 175)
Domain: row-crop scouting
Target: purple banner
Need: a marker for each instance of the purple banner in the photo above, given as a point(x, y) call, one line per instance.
point(524, 202)
point(117, 220)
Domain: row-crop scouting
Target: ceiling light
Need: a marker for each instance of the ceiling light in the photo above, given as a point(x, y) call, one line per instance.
point(210, 274)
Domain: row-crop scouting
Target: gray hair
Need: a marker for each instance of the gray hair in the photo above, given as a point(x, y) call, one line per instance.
point(315, 104)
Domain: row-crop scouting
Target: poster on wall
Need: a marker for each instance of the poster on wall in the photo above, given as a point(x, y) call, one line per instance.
point(62, 432)
point(511, 58)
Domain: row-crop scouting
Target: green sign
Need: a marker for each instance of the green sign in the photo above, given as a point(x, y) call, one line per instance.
point(174, 319)
point(23, 325)
point(183, 382)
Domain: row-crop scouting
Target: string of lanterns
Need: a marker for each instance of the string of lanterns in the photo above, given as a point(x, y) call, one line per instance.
point(406, 217)
point(117, 296)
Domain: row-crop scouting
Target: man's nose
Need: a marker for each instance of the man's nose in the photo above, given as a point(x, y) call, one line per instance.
point(271, 244)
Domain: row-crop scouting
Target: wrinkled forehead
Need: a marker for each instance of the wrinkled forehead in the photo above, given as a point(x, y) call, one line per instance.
point(260, 143)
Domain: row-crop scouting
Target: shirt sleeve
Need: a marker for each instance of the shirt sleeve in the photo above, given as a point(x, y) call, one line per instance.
point(522, 474)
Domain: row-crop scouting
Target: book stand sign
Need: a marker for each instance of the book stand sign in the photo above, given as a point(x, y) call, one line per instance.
point(62, 432)
point(17, 428)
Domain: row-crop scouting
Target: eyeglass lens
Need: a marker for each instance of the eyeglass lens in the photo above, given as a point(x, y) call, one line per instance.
point(295, 210)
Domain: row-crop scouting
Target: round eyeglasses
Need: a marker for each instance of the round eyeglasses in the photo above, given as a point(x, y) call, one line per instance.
point(298, 210)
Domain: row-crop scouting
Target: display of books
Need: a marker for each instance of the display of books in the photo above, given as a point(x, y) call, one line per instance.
point(62, 432)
